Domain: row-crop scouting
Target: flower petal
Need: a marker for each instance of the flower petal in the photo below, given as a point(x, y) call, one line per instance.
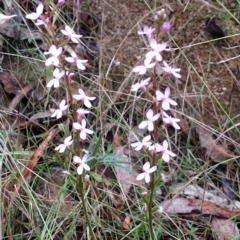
point(141, 176)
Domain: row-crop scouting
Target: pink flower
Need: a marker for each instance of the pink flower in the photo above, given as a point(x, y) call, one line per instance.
point(70, 34)
point(82, 163)
point(56, 80)
point(157, 50)
point(163, 150)
point(147, 31)
point(142, 85)
point(81, 112)
point(169, 70)
point(59, 112)
point(77, 62)
point(171, 121)
point(37, 14)
point(145, 143)
point(42, 22)
point(166, 27)
point(150, 119)
point(147, 171)
point(82, 97)
point(142, 69)
point(82, 128)
point(62, 147)
point(55, 52)
point(4, 18)
point(164, 99)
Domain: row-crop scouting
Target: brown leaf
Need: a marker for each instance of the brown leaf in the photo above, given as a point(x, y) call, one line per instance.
point(192, 207)
point(224, 229)
point(11, 83)
point(213, 150)
point(124, 176)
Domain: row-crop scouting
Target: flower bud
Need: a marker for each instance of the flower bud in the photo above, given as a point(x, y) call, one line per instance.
point(60, 3)
point(166, 27)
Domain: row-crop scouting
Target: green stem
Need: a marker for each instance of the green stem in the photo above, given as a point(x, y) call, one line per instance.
point(81, 191)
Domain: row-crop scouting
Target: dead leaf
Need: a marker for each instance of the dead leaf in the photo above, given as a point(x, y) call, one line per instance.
point(125, 178)
point(193, 207)
point(213, 150)
point(224, 229)
point(11, 83)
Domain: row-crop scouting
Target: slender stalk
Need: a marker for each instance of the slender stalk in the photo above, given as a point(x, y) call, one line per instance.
point(150, 209)
point(153, 159)
point(81, 191)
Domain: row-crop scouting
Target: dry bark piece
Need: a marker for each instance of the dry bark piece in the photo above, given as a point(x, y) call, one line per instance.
point(224, 229)
point(214, 150)
point(32, 163)
point(193, 207)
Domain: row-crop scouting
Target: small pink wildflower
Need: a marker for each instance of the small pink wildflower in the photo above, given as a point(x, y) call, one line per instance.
point(147, 171)
point(82, 163)
point(142, 69)
point(142, 85)
point(82, 128)
point(82, 97)
point(169, 70)
point(163, 150)
point(77, 62)
point(4, 18)
point(59, 112)
point(168, 120)
point(157, 50)
point(70, 34)
point(164, 99)
point(37, 14)
point(150, 119)
point(81, 112)
point(55, 82)
point(62, 147)
point(55, 52)
point(44, 22)
point(147, 31)
point(145, 143)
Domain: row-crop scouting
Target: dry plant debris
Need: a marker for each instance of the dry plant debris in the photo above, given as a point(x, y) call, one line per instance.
point(214, 150)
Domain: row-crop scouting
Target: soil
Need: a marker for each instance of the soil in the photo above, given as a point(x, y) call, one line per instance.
point(209, 68)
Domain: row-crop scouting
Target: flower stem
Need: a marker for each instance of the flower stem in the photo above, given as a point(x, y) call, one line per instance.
point(81, 191)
